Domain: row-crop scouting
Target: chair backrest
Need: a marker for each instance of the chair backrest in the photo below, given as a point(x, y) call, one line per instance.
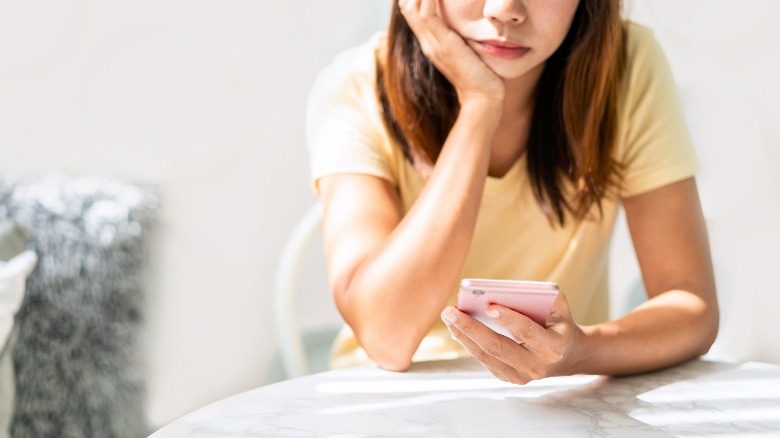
point(295, 344)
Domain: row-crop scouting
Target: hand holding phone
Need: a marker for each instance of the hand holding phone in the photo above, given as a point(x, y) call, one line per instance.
point(533, 299)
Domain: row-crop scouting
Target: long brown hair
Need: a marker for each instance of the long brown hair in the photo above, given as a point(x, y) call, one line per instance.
point(575, 119)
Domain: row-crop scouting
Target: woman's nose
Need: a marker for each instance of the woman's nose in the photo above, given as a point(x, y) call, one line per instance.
point(504, 11)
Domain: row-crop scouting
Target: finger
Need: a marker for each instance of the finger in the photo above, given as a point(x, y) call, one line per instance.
point(499, 368)
point(456, 334)
point(429, 15)
point(409, 8)
point(550, 347)
point(411, 11)
point(424, 19)
point(472, 333)
point(560, 311)
point(498, 375)
point(427, 8)
point(528, 333)
point(489, 347)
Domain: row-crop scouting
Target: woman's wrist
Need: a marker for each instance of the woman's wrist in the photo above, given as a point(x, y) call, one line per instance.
point(484, 108)
point(584, 348)
point(483, 102)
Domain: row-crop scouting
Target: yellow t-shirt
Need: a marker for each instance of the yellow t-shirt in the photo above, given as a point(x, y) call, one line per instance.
point(513, 238)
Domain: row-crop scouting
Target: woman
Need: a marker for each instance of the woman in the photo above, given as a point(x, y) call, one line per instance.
point(497, 139)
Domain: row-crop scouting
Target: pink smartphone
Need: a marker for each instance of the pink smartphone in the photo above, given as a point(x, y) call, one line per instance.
point(533, 299)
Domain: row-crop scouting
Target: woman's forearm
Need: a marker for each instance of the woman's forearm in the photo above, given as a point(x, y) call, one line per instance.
point(395, 295)
point(673, 327)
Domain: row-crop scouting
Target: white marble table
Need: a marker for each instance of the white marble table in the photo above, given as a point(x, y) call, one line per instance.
point(460, 399)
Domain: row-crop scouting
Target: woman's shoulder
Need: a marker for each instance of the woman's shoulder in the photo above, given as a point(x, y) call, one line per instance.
point(647, 71)
point(655, 144)
point(642, 48)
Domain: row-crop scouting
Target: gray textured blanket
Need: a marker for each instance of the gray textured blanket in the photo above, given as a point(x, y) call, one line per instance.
point(79, 371)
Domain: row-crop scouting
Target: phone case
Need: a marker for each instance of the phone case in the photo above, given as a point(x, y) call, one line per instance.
point(533, 299)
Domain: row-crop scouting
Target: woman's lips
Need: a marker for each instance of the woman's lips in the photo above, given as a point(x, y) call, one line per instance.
point(503, 49)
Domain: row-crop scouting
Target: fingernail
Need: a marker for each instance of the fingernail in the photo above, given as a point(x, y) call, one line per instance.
point(493, 313)
point(449, 316)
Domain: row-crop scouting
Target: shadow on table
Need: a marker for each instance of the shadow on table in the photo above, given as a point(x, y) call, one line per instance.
point(695, 398)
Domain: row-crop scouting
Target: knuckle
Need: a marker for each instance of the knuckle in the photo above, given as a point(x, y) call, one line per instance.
point(456, 334)
point(527, 334)
point(557, 356)
point(426, 14)
point(431, 50)
point(460, 337)
point(428, 51)
point(466, 329)
point(494, 347)
point(481, 356)
point(536, 373)
point(521, 380)
point(555, 319)
point(554, 355)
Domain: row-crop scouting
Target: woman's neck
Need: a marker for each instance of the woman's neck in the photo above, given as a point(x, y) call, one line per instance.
point(509, 142)
point(519, 99)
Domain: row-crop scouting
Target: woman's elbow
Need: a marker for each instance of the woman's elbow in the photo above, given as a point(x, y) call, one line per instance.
point(710, 326)
point(394, 362)
point(389, 352)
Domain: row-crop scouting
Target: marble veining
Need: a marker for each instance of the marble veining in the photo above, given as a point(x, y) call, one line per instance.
point(459, 398)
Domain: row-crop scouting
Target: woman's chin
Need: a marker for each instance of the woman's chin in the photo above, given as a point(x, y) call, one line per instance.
point(512, 72)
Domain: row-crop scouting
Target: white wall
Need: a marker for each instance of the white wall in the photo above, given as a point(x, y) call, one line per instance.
point(724, 56)
point(206, 99)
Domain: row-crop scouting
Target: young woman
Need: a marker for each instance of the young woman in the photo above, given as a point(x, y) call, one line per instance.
point(497, 139)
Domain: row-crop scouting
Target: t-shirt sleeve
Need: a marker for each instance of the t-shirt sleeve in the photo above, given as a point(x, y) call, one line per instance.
point(657, 148)
point(341, 122)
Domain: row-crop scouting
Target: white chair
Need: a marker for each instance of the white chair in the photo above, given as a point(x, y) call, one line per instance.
point(302, 350)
